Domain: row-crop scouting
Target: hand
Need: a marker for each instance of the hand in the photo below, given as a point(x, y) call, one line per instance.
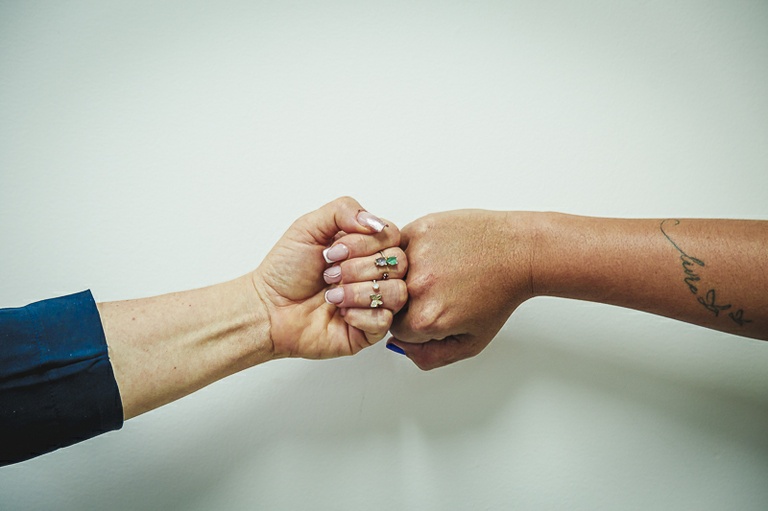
point(306, 319)
point(469, 270)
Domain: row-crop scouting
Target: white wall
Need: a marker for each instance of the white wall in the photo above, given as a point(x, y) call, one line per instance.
point(148, 147)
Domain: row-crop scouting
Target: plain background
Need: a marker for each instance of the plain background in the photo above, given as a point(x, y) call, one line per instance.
point(148, 147)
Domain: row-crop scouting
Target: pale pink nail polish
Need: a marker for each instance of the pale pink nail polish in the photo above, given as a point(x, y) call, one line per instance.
point(372, 221)
point(335, 253)
point(335, 295)
point(332, 275)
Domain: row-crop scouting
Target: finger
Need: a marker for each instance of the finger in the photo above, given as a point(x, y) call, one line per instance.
point(388, 294)
point(343, 214)
point(420, 322)
point(374, 323)
point(437, 353)
point(361, 245)
point(361, 269)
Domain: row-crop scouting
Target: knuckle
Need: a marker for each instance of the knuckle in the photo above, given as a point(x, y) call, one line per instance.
point(425, 321)
point(356, 294)
point(420, 283)
point(341, 204)
point(416, 227)
point(346, 200)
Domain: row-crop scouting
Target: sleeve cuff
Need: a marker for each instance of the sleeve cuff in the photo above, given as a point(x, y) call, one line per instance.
point(57, 386)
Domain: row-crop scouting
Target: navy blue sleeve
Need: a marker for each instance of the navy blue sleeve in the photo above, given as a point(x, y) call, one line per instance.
point(57, 386)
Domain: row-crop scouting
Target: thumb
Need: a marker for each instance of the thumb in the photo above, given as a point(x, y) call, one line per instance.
point(435, 353)
point(344, 214)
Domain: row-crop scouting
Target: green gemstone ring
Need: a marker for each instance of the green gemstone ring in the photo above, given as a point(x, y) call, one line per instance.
point(384, 261)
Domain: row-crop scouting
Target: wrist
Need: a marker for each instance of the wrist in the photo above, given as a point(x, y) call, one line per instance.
point(548, 232)
point(543, 236)
point(520, 232)
point(571, 259)
point(260, 347)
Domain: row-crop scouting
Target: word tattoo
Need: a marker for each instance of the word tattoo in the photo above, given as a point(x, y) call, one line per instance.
point(692, 280)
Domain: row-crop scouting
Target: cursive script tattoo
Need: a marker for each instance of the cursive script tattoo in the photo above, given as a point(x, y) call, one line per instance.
point(691, 265)
point(709, 302)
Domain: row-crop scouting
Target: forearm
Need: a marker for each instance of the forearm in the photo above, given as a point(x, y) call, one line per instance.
point(165, 347)
point(712, 273)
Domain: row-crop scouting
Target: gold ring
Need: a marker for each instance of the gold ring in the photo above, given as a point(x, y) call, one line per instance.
point(376, 296)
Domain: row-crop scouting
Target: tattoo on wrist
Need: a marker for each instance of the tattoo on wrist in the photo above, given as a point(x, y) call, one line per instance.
point(692, 279)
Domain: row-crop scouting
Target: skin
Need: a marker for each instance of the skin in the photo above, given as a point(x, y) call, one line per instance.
point(470, 269)
point(165, 347)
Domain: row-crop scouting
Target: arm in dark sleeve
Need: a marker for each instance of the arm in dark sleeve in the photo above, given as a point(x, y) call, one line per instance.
point(57, 386)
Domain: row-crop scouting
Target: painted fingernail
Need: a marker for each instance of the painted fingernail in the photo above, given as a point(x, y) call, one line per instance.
point(335, 295)
point(332, 275)
point(372, 221)
point(395, 348)
point(335, 253)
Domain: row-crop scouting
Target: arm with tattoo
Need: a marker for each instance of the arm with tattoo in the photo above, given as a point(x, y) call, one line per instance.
point(471, 269)
point(712, 273)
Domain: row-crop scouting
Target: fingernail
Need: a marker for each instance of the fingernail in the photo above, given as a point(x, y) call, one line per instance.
point(372, 221)
point(395, 348)
point(335, 295)
point(332, 275)
point(335, 253)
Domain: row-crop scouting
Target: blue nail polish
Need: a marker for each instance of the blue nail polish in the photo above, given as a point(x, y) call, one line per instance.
point(395, 348)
